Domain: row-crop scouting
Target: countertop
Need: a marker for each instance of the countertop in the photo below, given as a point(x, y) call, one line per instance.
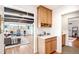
point(46, 36)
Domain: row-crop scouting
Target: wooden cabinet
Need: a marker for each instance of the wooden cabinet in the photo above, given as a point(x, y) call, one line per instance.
point(63, 39)
point(44, 17)
point(54, 45)
point(50, 45)
point(47, 46)
point(49, 16)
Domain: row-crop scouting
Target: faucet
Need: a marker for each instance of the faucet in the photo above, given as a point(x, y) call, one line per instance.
point(44, 33)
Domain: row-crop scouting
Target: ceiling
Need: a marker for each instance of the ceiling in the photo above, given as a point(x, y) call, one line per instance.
point(53, 6)
point(33, 6)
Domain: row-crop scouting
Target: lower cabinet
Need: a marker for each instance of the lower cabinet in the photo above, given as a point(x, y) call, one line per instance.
point(47, 46)
point(63, 39)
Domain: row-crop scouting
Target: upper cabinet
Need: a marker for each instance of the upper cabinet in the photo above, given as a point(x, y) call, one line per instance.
point(44, 17)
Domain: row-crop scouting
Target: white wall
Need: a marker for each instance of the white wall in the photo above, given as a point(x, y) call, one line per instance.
point(1, 34)
point(57, 28)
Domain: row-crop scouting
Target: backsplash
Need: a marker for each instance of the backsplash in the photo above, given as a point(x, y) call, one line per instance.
point(44, 31)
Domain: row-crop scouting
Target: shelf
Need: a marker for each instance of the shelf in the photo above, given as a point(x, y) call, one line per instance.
point(6, 13)
point(18, 17)
point(13, 15)
point(10, 10)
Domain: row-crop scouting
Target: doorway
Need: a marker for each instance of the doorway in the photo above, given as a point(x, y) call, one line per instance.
point(18, 31)
point(70, 27)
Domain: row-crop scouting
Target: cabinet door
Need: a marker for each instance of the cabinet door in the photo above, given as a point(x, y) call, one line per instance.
point(40, 16)
point(53, 45)
point(49, 18)
point(48, 47)
point(44, 16)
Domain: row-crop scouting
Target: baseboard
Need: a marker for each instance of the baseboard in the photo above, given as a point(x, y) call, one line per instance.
point(58, 52)
point(36, 53)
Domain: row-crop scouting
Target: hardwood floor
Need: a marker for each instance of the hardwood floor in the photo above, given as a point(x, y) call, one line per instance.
point(70, 50)
point(23, 49)
point(76, 43)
